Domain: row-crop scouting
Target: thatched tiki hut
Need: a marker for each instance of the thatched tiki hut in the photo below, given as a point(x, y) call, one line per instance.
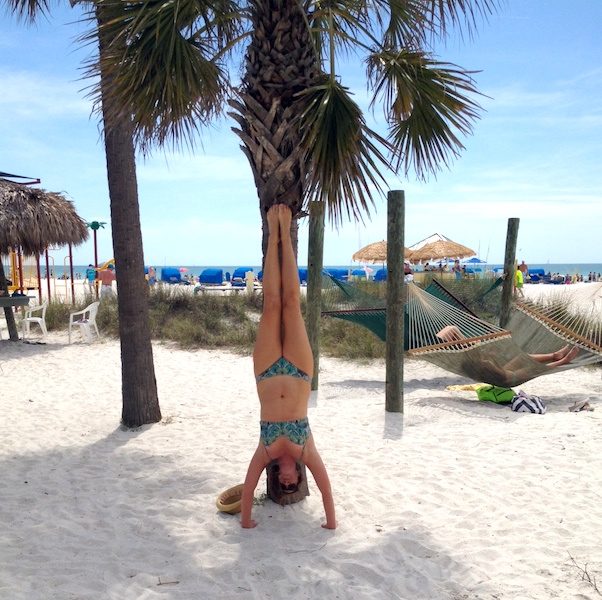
point(33, 219)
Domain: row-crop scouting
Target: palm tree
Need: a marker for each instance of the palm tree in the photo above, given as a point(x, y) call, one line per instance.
point(139, 388)
point(305, 137)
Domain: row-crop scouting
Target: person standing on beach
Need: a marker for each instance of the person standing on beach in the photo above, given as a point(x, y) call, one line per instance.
point(524, 269)
point(107, 277)
point(457, 269)
point(283, 366)
point(518, 283)
point(91, 277)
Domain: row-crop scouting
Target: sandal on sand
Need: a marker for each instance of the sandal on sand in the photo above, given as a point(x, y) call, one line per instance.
point(581, 405)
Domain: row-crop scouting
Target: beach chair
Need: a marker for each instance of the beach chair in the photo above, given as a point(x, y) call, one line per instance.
point(380, 275)
point(86, 321)
point(303, 276)
point(338, 274)
point(171, 275)
point(238, 277)
point(29, 319)
point(358, 274)
point(211, 277)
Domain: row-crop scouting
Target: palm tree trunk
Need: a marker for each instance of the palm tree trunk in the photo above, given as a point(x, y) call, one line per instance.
point(139, 387)
point(280, 63)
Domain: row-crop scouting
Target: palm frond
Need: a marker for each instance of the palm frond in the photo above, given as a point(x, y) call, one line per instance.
point(402, 22)
point(460, 14)
point(162, 66)
point(427, 104)
point(27, 10)
point(341, 153)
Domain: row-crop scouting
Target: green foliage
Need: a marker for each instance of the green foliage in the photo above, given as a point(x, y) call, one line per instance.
point(343, 339)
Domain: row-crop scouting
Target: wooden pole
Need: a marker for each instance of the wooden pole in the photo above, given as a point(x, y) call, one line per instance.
point(315, 260)
point(509, 271)
point(9, 314)
point(395, 301)
point(71, 274)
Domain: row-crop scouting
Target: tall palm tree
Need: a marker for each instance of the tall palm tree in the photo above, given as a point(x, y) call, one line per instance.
point(139, 388)
point(303, 134)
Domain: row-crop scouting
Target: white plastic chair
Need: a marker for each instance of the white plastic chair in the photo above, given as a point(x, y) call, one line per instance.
point(86, 321)
point(28, 319)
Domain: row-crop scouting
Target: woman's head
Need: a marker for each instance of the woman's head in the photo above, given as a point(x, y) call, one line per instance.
point(285, 476)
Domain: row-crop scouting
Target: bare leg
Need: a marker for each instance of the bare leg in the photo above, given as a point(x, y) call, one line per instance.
point(268, 344)
point(295, 345)
point(560, 357)
point(450, 334)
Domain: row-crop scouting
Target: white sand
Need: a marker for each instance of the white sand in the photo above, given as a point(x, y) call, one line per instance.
point(457, 499)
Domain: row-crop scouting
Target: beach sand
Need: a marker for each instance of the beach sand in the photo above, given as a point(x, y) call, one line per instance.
point(455, 499)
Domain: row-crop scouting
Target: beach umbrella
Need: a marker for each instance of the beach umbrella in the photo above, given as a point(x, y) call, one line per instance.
point(376, 252)
point(32, 219)
point(441, 249)
point(475, 261)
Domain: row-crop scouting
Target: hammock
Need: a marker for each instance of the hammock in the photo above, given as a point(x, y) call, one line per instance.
point(486, 352)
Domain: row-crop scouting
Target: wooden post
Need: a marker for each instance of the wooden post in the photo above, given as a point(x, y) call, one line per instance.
point(9, 315)
point(315, 260)
point(509, 271)
point(395, 301)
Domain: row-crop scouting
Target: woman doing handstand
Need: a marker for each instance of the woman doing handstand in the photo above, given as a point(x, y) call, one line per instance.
point(283, 364)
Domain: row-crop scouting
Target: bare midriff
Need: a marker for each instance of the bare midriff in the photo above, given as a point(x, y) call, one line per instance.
point(283, 398)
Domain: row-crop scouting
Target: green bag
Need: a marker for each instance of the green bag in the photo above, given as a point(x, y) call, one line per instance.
point(494, 393)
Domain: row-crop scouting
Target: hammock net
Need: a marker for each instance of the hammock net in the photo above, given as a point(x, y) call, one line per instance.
point(485, 352)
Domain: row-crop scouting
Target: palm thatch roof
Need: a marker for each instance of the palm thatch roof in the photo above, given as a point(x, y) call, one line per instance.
point(442, 249)
point(376, 252)
point(33, 219)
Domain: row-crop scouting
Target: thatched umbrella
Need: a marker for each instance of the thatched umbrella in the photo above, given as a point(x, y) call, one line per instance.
point(33, 219)
point(376, 252)
point(441, 249)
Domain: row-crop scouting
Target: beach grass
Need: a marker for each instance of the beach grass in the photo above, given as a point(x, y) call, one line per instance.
point(230, 321)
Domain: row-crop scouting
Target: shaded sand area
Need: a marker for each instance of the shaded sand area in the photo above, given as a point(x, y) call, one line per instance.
point(457, 500)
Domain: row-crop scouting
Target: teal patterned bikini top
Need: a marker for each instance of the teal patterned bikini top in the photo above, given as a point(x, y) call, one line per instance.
point(296, 431)
point(283, 367)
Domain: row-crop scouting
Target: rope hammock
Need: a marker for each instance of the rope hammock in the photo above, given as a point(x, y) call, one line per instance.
point(486, 352)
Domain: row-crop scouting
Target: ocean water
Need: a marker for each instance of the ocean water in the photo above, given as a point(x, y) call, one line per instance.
point(195, 270)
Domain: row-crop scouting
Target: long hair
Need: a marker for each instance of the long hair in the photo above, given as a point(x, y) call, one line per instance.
point(275, 491)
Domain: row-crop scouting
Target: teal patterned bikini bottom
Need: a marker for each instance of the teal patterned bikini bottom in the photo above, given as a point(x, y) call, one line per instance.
point(296, 431)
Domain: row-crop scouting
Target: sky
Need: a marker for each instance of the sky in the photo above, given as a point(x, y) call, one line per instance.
point(533, 155)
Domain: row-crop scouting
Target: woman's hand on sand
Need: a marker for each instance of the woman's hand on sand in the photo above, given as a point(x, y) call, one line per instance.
point(248, 525)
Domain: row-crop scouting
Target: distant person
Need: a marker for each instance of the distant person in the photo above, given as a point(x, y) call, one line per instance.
point(250, 281)
point(457, 269)
point(512, 370)
point(408, 273)
point(107, 277)
point(152, 276)
point(90, 277)
point(518, 283)
point(524, 269)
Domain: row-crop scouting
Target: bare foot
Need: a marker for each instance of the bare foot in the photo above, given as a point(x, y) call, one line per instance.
point(561, 353)
point(567, 358)
point(274, 222)
point(285, 216)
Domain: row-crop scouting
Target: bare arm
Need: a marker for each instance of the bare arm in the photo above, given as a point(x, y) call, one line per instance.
point(256, 466)
point(313, 461)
